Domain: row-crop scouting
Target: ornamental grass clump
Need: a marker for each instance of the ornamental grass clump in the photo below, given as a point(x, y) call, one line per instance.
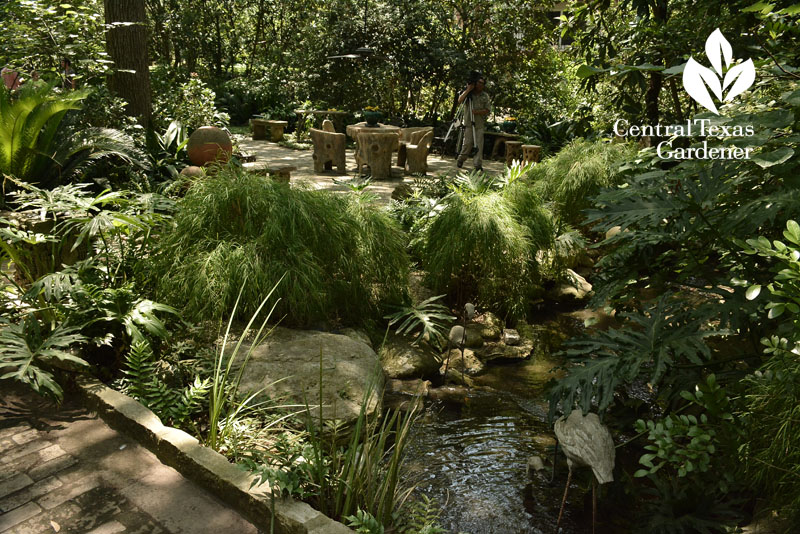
point(482, 246)
point(576, 174)
point(342, 257)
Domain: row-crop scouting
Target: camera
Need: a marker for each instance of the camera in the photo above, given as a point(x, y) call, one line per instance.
point(474, 76)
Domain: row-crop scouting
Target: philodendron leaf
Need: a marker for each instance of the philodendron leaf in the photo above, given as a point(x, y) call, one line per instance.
point(694, 76)
point(677, 69)
point(742, 77)
point(775, 157)
point(717, 48)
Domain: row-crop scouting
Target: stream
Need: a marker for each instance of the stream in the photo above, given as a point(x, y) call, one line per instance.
point(471, 455)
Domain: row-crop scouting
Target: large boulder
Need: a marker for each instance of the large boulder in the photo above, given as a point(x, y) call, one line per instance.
point(401, 359)
point(287, 364)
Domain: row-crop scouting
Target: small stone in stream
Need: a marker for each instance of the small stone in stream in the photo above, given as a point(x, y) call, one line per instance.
point(511, 337)
point(535, 464)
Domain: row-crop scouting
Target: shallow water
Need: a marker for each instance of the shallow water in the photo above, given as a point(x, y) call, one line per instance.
point(471, 455)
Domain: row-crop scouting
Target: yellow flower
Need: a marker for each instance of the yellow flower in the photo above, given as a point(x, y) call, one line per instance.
point(511, 118)
point(371, 108)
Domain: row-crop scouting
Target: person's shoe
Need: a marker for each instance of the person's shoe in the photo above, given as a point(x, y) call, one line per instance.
point(459, 164)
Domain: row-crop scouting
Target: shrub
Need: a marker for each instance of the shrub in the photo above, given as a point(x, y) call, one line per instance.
point(191, 102)
point(341, 256)
point(576, 174)
point(770, 454)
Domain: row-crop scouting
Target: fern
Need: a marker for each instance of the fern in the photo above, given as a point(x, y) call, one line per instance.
point(422, 517)
point(144, 383)
point(364, 523)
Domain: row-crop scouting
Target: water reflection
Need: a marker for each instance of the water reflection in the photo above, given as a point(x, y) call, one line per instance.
point(471, 455)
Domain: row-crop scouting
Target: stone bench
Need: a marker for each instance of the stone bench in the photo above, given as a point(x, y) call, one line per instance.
point(275, 129)
point(279, 173)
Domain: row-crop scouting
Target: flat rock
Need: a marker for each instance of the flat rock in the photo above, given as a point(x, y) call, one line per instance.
point(401, 359)
point(287, 364)
point(455, 376)
point(449, 393)
point(500, 351)
point(407, 387)
point(403, 394)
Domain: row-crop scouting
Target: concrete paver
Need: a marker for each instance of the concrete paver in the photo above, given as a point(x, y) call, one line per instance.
point(65, 470)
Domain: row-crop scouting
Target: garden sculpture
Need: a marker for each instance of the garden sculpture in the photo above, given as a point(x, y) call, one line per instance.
point(458, 338)
point(586, 442)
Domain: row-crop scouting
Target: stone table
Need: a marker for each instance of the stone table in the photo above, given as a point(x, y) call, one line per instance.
point(375, 147)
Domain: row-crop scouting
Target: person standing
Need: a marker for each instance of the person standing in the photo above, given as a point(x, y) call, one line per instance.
point(67, 74)
point(477, 108)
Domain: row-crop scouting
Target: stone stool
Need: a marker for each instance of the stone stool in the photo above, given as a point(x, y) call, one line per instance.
point(531, 154)
point(513, 151)
point(259, 129)
point(276, 130)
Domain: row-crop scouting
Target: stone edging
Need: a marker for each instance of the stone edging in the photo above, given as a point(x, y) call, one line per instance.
point(202, 465)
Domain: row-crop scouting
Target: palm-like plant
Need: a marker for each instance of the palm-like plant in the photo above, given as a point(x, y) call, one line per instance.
point(35, 146)
point(28, 127)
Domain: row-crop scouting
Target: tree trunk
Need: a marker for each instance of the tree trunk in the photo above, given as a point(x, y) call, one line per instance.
point(126, 43)
point(660, 15)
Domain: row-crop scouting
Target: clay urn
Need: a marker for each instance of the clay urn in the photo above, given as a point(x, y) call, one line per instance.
point(208, 144)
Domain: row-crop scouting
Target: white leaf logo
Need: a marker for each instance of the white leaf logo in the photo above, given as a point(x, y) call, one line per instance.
point(697, 79)
point(716, 48)
point(742, 76)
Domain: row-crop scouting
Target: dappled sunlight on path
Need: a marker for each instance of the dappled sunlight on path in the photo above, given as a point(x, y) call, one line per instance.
point(273, 155)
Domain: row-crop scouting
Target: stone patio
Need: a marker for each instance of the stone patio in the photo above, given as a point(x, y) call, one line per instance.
point(274, 155)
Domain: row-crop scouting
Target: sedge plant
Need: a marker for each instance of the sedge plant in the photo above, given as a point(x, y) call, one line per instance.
point(223, 406)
